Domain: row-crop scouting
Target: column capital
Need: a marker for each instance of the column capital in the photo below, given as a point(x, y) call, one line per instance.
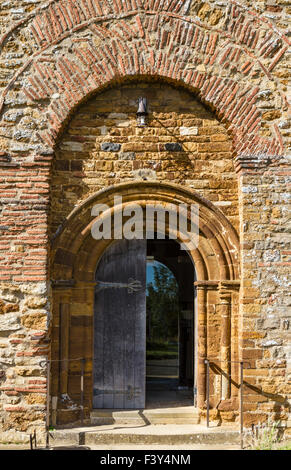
point(206, 285)
point(226, 288)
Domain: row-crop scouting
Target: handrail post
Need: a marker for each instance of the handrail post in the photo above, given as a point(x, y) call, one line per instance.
point(47, 404)
point(82, 390)
point(207, 392)
point(241, 404)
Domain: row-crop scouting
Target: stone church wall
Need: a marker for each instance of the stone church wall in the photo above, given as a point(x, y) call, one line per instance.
point(65, 67)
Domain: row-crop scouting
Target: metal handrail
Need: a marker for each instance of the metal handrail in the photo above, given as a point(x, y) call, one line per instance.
point(48, 362)
point(32, 440)
point(82, 360)
point(241, 363)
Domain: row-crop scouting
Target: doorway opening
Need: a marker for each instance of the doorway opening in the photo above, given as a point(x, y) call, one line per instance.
point(170, 325)
point(143, 331)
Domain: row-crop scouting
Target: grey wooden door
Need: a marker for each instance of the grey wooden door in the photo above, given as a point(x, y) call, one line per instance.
point(120, 327)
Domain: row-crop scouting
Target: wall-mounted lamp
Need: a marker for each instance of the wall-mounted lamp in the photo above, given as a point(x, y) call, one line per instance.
point(142, 112)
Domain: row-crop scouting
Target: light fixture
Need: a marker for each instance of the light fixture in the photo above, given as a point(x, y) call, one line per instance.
point(142, 112)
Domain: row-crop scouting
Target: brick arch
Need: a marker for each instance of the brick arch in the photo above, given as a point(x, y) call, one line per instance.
point(75, 253)
point(99, 43)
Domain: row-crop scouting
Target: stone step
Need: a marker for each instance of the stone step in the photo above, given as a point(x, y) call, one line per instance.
point(178, 415)
point(145, 435)
point(164, 439)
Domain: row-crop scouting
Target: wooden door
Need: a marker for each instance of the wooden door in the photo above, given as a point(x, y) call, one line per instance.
point(120, 327)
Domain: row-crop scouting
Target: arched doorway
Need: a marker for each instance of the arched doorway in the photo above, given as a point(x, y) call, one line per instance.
point(75, 255)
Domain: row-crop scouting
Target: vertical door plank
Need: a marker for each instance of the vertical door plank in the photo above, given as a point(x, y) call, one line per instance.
point(98, 364)
point(108, 344)
point(130, 325)
point(140, 330)
point(117, 313)
point(136, 324)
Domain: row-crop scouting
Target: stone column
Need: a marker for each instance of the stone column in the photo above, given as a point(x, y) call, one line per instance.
point(225, 312)
point(62, 293)
point(202, 343)
point(229, 348)
point(64, 346)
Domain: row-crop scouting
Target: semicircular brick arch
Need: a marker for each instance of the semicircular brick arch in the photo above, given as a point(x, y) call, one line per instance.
point(82, 46)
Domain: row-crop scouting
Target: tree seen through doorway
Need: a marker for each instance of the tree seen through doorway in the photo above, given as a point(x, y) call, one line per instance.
point(162, 313)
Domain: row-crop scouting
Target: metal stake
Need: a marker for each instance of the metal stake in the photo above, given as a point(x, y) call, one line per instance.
point(31, 441)
point(82, 390)
point(207, 391)
point(241, 404)
point(47, 404)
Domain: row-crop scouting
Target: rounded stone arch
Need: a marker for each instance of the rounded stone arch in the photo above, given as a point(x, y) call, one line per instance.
point(75, 253)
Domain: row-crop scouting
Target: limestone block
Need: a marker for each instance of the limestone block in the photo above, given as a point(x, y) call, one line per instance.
point(188, 130)
point(271, 322)
point(110, 147)
point(73, 146)
point(173, 147)
point(10, 322)
point(35, 321)
point(145, 174)
point(126, 156)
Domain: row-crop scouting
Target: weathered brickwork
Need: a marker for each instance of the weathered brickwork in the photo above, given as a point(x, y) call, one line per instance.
point(103, 145)
point(216, 75)
point(162, 41)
